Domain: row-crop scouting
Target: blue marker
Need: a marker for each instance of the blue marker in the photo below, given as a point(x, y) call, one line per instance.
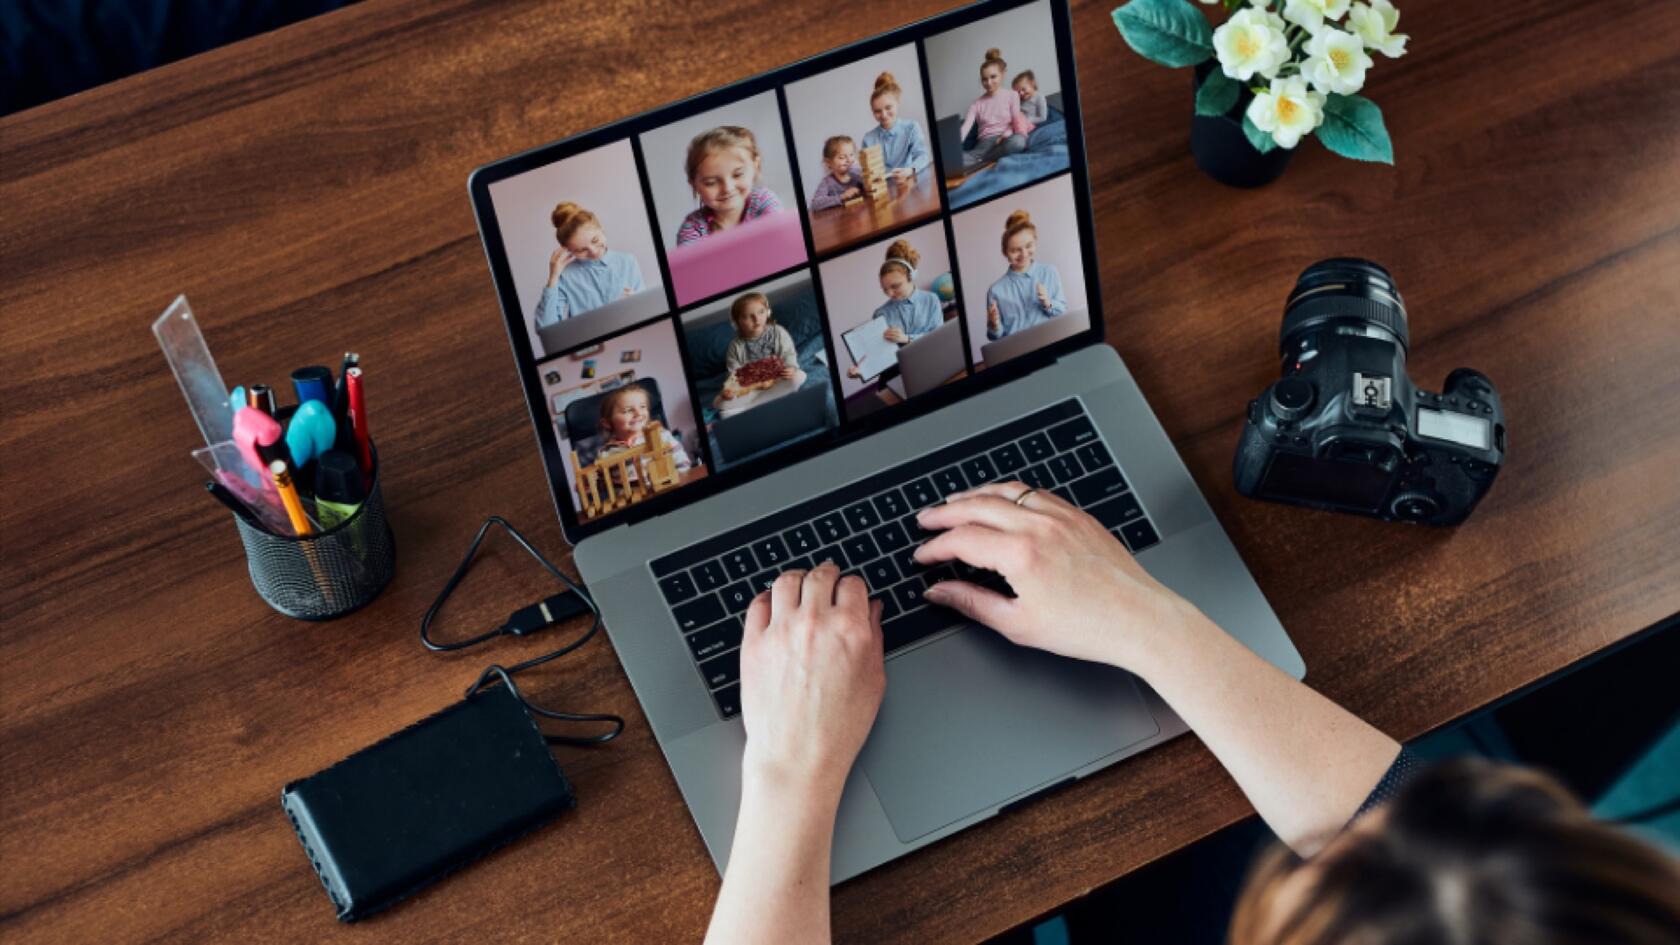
point(313, 383)
point(310, 432)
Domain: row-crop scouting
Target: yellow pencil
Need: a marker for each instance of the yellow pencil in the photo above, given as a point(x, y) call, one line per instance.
point(289, 496)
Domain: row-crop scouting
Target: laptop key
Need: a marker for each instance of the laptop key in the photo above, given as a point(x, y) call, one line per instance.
point(889, 607)
point(921, 493)
point(1037, 448)
point(1139, 535)
point(801, 563)
point(1065, 494)
point(728, 701)
point(1008, 458)
point(739, 563)
point(723, 669)
point(831, 553)
point(909, 594)
point(709, 575)
point(1038, 477)
point(831, 528)
point(949, 480)
point(1103, 484)
point(861, 516)
point(1094, 455)
point(1074, 433)
point(979, 470)
point(770, 551)
point(737, 596)
point(1117, 511)
point(891, 505)
point(880, 574)
point(914, 529)
point(1064, 467)
point(860, 548)
point(801, 539)
point(890, 537)
point(907, 628)
point(677, 588)
point(717, 638)
point(943, 572)
point(762, 580)
point(698, 613)
point(905, 560)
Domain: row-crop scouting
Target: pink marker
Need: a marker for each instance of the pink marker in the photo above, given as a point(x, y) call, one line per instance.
point(254, 431)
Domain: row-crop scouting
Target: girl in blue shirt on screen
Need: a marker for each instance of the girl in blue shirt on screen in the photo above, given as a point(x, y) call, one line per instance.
point(582, 273)
point(903, 147)
point(910, 312)
point(1030, 293)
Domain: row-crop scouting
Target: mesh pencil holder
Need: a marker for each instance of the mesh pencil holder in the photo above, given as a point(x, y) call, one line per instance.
point(327, 574)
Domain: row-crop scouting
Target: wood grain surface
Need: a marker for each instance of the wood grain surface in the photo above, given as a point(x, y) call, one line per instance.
point(306, 189)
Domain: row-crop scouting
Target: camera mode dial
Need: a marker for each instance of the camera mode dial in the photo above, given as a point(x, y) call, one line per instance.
point(1292, 397)
point(1414, 506)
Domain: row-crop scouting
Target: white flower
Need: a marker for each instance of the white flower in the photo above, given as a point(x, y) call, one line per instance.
point(1374, 23)
point(1250, 42)
point(1312, 13)
point(1336, 61)
point(1287, 111)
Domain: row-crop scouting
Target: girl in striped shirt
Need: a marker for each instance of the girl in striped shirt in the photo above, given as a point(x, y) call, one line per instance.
point(723, 169)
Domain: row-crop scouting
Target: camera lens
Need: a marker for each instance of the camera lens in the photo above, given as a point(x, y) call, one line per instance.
point(1350, 292)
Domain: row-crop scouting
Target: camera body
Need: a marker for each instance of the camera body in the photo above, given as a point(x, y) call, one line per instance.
point(1345, 429)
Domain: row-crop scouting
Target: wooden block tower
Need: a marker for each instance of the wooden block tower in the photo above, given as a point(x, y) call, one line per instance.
point(873, 170)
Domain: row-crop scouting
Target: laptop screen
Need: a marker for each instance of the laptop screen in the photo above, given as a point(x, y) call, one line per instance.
point(705, 292)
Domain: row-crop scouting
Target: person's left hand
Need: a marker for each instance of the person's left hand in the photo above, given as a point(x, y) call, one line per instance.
point(895, 336)
point(901, 174)
point(1043, 296)
point(812, 678)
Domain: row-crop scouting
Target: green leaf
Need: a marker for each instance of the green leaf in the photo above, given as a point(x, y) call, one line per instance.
point(1170, 32)
point(1353, 127)
point(1218, 93)
point(1262, 140)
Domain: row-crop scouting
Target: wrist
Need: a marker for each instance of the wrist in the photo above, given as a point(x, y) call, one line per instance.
point(810, 784)
point(1174, 629)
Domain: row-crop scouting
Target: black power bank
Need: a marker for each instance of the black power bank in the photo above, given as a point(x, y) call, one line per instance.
point(401, 814)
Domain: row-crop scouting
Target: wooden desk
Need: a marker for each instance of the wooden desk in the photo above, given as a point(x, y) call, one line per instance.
point(846, 226)
point(305, 188)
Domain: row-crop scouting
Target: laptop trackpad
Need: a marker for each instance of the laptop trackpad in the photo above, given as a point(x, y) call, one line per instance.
point(972, 720)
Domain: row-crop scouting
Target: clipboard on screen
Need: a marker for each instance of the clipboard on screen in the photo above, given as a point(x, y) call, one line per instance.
point(870, 351)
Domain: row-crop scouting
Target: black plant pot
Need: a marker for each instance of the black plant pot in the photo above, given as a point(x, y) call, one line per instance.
point(1222, 150)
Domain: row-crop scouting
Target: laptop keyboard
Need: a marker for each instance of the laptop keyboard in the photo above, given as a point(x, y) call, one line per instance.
point(869, 528)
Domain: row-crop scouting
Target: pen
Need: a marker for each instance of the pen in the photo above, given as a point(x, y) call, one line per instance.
point(289, 495)
point(262, 398)
point(225, 496)
point(341, 397)
point(358, 419)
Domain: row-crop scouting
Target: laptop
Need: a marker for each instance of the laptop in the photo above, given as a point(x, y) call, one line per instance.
point(932, 359)
point(1010, 347)
point(971, 726)
point(577, 331)
point(787, 418)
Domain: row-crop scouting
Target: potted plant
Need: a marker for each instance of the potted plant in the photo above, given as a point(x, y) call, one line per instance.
point(1266, 78)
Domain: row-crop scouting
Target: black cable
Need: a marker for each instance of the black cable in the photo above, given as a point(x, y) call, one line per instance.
point(522, 621)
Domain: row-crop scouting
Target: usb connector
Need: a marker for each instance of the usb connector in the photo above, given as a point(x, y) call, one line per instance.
point(562, 606)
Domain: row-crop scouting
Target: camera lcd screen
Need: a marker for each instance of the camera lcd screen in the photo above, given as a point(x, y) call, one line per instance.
point(1457, 428)
point(1359, 486)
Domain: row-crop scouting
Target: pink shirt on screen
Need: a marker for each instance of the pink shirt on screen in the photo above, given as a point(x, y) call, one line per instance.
point(996, 114)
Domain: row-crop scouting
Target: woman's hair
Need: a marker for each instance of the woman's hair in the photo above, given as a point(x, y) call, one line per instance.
point(901, 255)
point(1018, 222)
point(568, 218)
point(738, 308)
point(721, 138)
point(1026, 74)
point(885, 84)
point(1469, 852)
point(609, 403)
point(994, 56)
point(832, 145)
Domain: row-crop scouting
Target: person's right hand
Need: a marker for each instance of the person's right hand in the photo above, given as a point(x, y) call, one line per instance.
point(994, 318)
point(1078, 591)
point(812, 679)
point(895, 335)
point(557, 261)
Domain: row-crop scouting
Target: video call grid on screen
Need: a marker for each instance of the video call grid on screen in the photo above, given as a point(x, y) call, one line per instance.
point(782, 203)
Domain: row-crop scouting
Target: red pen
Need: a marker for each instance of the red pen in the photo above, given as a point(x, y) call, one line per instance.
point(358, 419)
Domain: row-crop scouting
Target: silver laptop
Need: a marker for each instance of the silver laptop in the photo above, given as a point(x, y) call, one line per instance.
point(1028, 340)
point(932, 359)
point(971, 726)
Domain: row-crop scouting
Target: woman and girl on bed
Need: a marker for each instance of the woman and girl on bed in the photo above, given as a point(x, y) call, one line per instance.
point(904, 149)
point(1005, 118)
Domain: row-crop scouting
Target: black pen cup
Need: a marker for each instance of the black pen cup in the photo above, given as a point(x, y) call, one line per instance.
point(327, 574)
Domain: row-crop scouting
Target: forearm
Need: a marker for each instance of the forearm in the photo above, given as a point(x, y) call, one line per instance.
point(776, 887)
point(1305, 763)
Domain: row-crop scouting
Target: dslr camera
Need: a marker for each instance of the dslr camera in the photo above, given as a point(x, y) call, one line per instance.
point(1345, 429)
